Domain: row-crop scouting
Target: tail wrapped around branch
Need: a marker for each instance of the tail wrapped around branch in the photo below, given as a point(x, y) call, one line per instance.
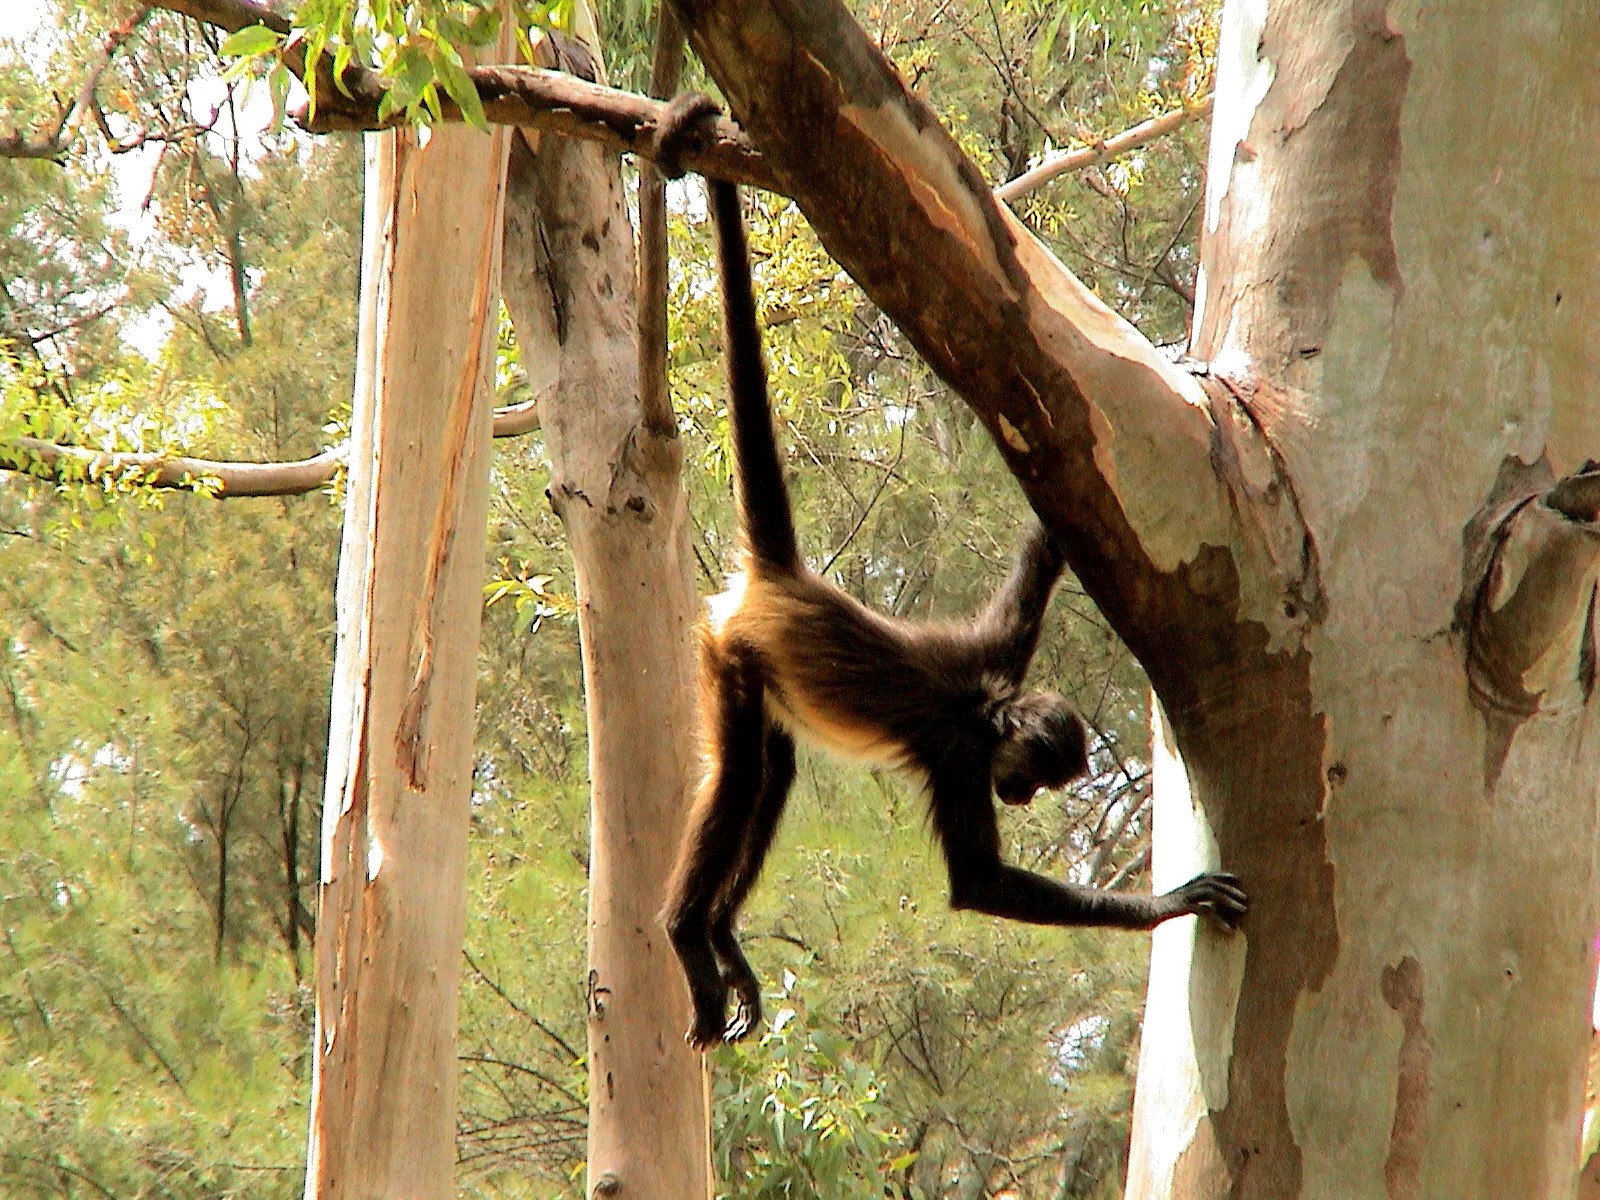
point(765, 517)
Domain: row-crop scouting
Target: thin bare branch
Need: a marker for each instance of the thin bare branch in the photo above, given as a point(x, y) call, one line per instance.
point(536, 98)
point(516, 419)
point(1112, 147)
point(51, 460)
point(34, 456)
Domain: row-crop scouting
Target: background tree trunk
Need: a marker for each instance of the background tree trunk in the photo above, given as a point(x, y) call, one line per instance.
point(616, 484)
point(394, 847)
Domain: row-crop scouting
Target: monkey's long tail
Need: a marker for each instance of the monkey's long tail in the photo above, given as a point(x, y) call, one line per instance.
point(763, 497)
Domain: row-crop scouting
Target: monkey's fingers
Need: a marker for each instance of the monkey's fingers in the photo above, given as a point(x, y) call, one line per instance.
point(1219, 894)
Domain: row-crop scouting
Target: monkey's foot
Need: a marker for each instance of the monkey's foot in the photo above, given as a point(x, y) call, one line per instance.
point(707, 1031)
point(708, 995)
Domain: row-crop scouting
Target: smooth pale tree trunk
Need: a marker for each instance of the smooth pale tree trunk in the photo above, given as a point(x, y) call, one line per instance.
point(1355, 547)
point(1401, 291)
point(394, 838)
point(615, 481)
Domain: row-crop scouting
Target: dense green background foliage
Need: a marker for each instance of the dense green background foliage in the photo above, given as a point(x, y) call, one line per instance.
point(165, 666)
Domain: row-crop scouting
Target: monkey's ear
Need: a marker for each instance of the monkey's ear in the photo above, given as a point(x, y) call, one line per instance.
point(1004, 722)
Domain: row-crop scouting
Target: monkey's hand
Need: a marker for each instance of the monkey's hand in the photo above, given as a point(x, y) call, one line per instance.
point(1218, 894)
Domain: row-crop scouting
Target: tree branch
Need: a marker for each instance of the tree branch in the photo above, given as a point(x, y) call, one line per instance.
point(536, 98)
point(1092, 156)
point(51, 460)
point(19, 145)
point(524, 96)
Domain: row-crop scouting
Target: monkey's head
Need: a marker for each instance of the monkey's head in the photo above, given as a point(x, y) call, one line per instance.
point(1042, 745)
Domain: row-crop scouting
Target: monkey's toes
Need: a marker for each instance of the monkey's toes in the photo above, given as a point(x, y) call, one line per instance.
point(746, 1013)
point(706, 1032)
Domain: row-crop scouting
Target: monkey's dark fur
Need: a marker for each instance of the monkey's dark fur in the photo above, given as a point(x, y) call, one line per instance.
point(786, 654)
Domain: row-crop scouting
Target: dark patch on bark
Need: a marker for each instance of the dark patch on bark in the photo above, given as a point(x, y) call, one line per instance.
point(1588, 651)
point(1408, 1136)
point(1200, 1170)
point(1246, 410)
point(1243, 720)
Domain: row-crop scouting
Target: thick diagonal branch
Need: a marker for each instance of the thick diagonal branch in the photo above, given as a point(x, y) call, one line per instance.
point(1112, 443)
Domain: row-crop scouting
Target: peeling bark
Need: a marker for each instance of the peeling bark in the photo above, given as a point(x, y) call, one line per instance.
point(394, 841)
point(615, 481)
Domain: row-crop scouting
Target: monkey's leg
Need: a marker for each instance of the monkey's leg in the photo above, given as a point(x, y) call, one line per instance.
point(965, 821)
point(714, 840)
point(759, 832)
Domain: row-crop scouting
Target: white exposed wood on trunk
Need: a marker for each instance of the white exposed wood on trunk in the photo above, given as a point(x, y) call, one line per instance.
point(615, 482)
point(394, 841)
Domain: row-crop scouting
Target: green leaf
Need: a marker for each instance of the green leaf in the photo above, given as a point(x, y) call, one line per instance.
point(461, 89)
point(413, 74)
point(278, 87)
point(341, 61)
point(252, 39)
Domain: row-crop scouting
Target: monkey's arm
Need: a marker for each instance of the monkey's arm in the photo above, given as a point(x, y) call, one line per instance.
point(965, 821)
point(1008, 630)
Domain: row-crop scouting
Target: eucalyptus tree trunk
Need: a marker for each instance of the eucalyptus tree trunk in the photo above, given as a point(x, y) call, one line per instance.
point(1355, 545)
point(615, 481)
point(1401, 293)
point(394, 838)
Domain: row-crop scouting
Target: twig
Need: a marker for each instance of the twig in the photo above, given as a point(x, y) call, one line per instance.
point(1112, 147)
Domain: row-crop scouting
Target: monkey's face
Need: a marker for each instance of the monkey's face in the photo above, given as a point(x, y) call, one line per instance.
point(1042, 745)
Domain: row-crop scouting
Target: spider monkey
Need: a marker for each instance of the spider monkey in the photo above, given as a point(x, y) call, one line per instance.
point(785, 654)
